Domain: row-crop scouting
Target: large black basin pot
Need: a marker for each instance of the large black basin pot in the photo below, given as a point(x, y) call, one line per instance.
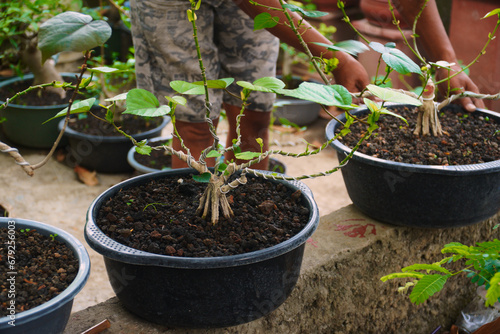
point(200, 292)
point(422, 196)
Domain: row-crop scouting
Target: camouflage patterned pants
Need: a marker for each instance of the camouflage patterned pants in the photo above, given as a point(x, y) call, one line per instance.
point(165, 51)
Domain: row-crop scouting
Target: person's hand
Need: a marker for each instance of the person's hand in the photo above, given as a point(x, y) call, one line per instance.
point(350, 73)
point(459, 84)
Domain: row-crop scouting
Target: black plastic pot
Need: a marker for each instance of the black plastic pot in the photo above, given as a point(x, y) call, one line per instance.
point(420, 195)
point(24, 124)
point(299, 112)
point(105, 154)
point(143, 168)
point(200, 292)
point(52, 316)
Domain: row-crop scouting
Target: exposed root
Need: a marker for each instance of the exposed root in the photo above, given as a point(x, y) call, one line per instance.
point(214, 200)
point(428, 120)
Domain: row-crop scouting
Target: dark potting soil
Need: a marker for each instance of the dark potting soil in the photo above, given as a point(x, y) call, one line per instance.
point(131, 124)
point(35, 97)
point(43, 268)
point(469, 138)
point(158, 159)
point(159, 217)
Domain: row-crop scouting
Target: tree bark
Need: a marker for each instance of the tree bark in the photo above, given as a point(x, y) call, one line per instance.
point(43, 73)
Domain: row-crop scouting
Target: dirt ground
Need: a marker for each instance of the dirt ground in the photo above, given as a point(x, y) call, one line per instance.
point(55, 196)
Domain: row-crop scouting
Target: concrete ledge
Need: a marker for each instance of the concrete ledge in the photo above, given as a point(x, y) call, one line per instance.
point(339, 290)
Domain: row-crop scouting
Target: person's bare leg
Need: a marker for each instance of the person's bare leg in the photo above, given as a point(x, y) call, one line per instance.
point(196, 137)
point(255, 124)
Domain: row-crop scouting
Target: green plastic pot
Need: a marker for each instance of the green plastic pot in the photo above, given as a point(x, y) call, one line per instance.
point(24, 124)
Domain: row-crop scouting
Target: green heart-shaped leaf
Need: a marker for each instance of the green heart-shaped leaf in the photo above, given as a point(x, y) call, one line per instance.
point(144, 150)
point(77, 107)
point(266, 84)
point(264, 21)
point(331, 95)
point(71, 31)
point(350, 46)
point(177, 99)
point(143, 103)
point(395, 58)
point(306, 13)
point(247, 155)
point(108, 70)
point(198, 88)
point(389, 95)
point(203, 178)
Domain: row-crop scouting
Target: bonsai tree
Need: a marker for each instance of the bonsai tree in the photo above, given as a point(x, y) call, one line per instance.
point(69, 31)
point(20, 21)
point(428, 120)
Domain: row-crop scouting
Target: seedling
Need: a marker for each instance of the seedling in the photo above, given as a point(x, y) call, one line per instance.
point(482, 266)
point(153, 205)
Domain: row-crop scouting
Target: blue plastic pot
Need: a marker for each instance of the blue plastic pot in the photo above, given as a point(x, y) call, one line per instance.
point(200, 292)
point(420, 195)
point(24, 123)
point(52, 316)
point(105, 154)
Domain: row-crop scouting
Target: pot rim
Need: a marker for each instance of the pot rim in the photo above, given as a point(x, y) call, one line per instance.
point(69, 132)
point(29, 76)
point(140, 167)
point(71, 291)
point(111, 249)
point(480, 168)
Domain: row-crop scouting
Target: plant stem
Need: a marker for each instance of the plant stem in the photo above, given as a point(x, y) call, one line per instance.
point(414, 50)
point(205, 84)
point(14, 153)
point(491, 36)
point(66, 119)
point(311, 176)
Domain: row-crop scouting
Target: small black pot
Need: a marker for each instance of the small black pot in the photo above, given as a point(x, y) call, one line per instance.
point(53, 315)
point(200, 292)
point(105, 154)
point(420, 195)
point(299, 112)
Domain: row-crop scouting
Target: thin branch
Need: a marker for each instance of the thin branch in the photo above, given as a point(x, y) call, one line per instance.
point(14, 153)
point(491, 36)
point(468, 94)
point(343, 163)
point(119, 8)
